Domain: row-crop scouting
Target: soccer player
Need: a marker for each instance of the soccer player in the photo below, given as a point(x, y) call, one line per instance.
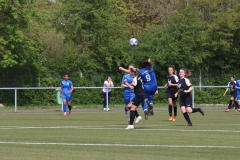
point(106, 91)
point(128, 92)
point(237, 87)
point(66, 94)
point(185, 87)
point(231, 86)
point(171, 90)
point(150, 83)
point(137, 86)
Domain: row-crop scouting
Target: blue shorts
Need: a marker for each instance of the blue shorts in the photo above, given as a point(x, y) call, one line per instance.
point(67, 97)
point(128, 97)
point(150, 90)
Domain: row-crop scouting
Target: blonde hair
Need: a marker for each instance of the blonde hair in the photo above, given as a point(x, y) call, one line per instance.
point(187, 72)
point(135, 71)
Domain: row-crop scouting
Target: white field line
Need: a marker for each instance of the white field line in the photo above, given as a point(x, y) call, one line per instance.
point(99, 128)
point(119, 145)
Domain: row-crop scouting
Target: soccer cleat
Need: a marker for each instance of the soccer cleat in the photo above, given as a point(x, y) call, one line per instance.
point(170, 118)
point(201, 111)
point(64, 114)
point(238, 110)
point(138, 119)
point(107, 109)
point(146, 114)
point(227, 110)
point(130, 127)
point(104, 109)
point(174, 118)
point(189, 124)
point(70, 113)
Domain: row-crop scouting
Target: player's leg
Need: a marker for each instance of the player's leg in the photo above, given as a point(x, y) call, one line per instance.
point(230, 104)
point(69, 102)
point(189, 109)
point(109, 96)
point(104, 100)
point(185, 114)
point(170, 103)
point(64, 101)
point(174, 99)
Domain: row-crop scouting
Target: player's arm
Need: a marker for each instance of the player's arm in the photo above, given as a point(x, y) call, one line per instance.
point(124, 70)
point(71, 89)
point(128, 85)
point(226, 89)
point(189, 90)
point(61, 91)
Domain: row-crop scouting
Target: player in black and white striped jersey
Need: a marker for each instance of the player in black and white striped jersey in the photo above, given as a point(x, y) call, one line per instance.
point(185, 87)
point(232, 101)
point(171, 90)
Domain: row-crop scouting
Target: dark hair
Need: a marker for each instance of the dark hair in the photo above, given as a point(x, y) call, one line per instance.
point(187, 72)
point(145, 64)
point(66, 74)
point(135, 71)
point(174, 70)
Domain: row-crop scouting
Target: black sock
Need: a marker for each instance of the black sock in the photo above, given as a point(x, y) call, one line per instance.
point(236, 104)
point(136, 114)
point(170, 110)
point(132, 116)
point(175, 110)
point(230, 104)
point(69, 108)
point(195, 110)
point(186, 116)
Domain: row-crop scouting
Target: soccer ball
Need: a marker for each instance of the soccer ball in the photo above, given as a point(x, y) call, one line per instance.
point(133, 41)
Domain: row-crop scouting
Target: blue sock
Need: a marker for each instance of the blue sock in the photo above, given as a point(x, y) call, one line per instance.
point(64, 108)
point(150, 99)
point(144, 105)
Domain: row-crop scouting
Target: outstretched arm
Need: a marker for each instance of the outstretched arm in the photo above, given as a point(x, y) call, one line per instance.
point(124, 70)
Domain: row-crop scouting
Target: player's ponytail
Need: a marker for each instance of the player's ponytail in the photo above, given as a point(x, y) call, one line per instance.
point(187, 72)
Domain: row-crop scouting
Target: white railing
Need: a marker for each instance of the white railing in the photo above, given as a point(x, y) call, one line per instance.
point(54, 88)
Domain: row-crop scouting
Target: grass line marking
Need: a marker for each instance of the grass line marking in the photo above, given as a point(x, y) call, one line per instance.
point(118, 145)
point(102, 128)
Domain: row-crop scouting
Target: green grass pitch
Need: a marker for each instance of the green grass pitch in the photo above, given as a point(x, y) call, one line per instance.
point(102, 135)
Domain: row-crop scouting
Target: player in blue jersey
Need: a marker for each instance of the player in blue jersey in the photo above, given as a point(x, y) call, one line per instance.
point(128, 92)
point(66, 94)
point(150, 83)
point(237, 87)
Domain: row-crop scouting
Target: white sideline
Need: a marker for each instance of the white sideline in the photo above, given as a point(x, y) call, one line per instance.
point(118, 145)
point(99, 128)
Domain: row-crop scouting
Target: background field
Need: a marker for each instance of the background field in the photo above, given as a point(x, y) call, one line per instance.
point(102, 135)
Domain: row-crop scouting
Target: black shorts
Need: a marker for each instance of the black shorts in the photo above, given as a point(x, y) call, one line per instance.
point(138, 99)
point(186, 101)
point(234, 94)
point(170, 94)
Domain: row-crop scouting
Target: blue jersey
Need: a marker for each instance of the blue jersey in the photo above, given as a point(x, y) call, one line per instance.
point(237, 84)
point(66, 86)
point(148, 76)
point(129, 80)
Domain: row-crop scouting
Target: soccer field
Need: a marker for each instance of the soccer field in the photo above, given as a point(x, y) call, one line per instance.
point(102, 135)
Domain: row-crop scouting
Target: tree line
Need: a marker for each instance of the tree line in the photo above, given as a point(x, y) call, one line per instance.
point(89, 39)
